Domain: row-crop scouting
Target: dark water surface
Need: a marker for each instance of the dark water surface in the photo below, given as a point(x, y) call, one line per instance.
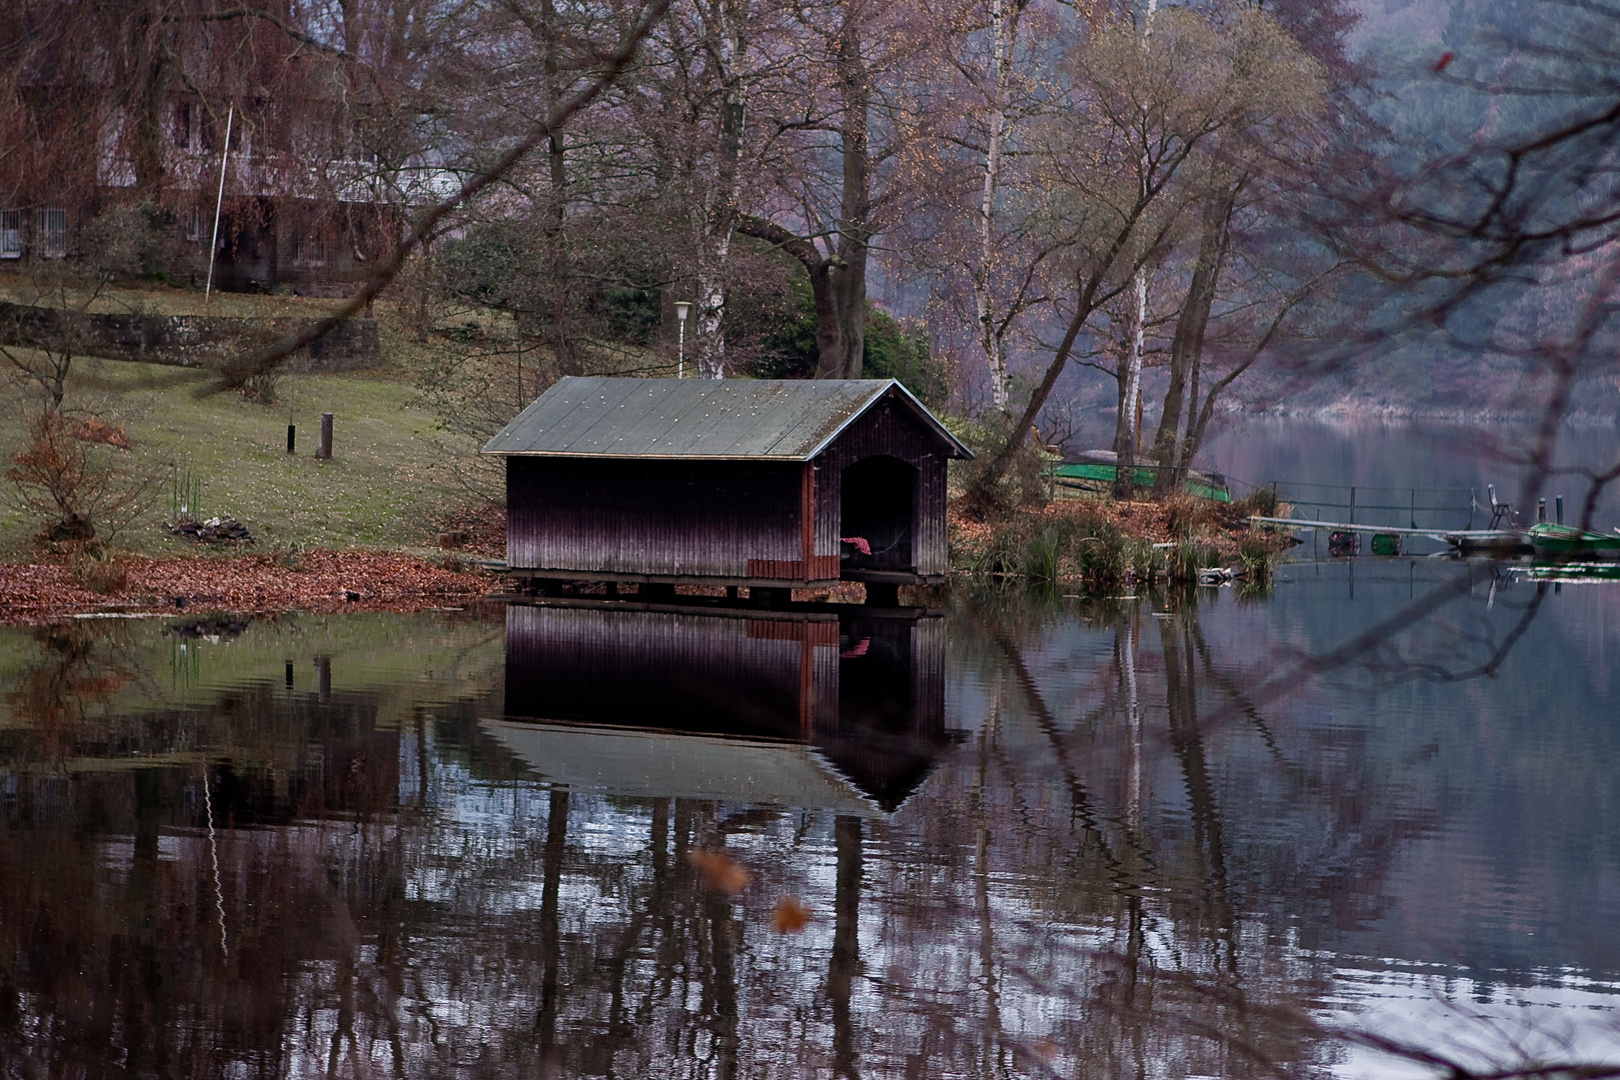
point(1033, 836)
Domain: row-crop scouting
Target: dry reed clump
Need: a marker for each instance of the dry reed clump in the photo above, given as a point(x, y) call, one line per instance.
point(1187, 515)
point(1085, 547)
point(1104, 546)
point(99, 571)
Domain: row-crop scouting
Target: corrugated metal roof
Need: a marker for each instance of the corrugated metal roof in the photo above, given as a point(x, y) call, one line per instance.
point(782, 420)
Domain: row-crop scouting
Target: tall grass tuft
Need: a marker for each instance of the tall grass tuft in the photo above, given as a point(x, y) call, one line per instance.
point(1042, 557)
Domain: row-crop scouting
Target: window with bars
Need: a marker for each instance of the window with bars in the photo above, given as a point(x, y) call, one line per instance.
point(11, 244)
point(50, 236)
point(309, 250)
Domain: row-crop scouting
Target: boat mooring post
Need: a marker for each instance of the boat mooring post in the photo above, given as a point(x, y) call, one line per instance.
point(1541, 511)
point(1559, 503)
point(1352, 505)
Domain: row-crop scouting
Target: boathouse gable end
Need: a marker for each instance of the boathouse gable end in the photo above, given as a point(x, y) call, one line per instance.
point(725, 482)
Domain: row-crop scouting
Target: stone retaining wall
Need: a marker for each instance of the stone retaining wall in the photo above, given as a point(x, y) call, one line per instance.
point(186, 340)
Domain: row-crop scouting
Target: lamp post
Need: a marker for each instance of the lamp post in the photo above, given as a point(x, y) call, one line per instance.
point(681, 308)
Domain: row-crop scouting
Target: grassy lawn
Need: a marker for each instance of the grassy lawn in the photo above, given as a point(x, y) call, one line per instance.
point(389, 480)
point(393, 476)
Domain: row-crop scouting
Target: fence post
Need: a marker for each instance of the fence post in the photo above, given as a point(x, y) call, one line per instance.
point(1414, 508)
point(324, 450)
point(1352, 506)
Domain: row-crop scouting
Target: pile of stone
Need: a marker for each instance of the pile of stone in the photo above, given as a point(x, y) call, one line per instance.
point(216, 530)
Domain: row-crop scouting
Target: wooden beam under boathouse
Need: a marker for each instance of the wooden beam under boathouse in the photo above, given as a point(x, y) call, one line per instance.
point(762, 483)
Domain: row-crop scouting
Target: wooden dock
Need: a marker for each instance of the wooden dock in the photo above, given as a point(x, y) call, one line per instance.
point(1493, 541)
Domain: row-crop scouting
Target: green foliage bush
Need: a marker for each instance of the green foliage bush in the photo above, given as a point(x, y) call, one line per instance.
point(782, 326)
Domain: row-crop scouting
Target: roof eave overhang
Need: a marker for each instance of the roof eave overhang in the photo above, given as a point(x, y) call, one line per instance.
point(922, 412)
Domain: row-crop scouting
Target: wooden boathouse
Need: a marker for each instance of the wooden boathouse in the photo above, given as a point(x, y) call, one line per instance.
point(732, 482)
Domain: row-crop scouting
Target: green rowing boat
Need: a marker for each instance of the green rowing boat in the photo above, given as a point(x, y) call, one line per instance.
point(1566, 541)
point(1096, 474)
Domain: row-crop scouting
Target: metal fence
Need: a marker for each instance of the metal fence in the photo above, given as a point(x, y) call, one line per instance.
point(1354, 504)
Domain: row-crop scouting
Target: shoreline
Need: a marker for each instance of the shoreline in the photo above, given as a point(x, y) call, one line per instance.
point(326, 581)
point(321, 581)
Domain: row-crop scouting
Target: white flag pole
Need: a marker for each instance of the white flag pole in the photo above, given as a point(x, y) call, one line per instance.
point(219, 201)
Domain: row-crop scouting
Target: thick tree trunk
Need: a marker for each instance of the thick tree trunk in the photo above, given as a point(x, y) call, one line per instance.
point(838, 276)
point(1125, 431)
point(841, 339)
point(561, 300)
point(1186, 348)
point(992, 337)
point(723, 197)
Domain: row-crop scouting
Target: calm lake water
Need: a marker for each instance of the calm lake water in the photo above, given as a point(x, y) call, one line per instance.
point(1033, 835)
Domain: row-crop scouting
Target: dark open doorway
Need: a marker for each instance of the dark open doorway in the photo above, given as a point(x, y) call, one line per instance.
point(877, 505)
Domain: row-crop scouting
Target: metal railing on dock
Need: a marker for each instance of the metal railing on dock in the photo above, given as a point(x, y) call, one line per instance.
point(1440, 509)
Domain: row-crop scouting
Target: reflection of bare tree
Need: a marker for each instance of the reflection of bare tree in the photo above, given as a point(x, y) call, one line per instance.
point(1095, 887)
point(1186, 739)
point(846, 950)
point(550, 943)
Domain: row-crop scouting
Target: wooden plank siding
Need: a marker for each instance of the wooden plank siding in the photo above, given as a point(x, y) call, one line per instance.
point(887, 429)
point(706, 519)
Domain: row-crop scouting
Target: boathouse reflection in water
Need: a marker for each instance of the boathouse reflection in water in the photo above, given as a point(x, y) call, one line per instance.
point(839, 712)
point(812, 710)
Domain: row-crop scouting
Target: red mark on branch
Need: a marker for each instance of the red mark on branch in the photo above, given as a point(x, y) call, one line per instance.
point(1445, 58)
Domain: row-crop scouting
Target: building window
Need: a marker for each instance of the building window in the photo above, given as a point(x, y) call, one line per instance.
point(309, 250)
point(184, 114)
point(10, 234)
point(50, 241)
point(194, 225)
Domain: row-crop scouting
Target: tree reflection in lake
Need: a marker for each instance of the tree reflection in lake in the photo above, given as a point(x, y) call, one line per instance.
point(1034, 838)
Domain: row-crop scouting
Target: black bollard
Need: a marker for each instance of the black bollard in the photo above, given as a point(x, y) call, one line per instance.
point(1559, 502)
point(292, 438)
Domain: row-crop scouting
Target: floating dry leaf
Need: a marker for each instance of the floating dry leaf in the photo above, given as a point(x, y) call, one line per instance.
point(719, 872)
point(791, 915)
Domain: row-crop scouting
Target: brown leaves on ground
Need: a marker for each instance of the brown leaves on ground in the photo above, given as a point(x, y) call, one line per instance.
point(791, 915)
point(99, 431)
point(324, 581)
point(478, 530)
point(719, 872)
